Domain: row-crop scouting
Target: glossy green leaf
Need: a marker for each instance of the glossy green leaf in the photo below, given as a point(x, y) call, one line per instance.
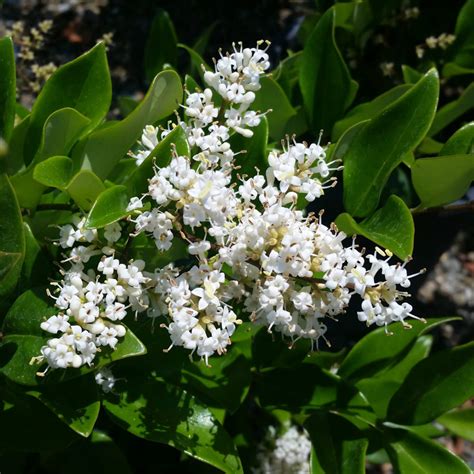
point(55, 172)
point(410, 75)
point(459, 422)
point(379, 146)
point(105, 147)
point(161, 45)
point(137, 181)
point(61, 130)
point(368, 110)
point(7, 88)
point(45, 433)
point(443, 179)
point(452, 111)
point(325, 81)
point(110, 206)
point(461, 142)
point(37, 265)
point(311, 388)
point(75, 402)
point(380, 387)
point(271, 97)
point(224, 384)
point(435, 385)
point(391, 227)
point(463, 46)
point(12, 238)
point(84, 188)
point(339, 447)
point(14, 160)
point(255, 148)
point(83, 84)
point(411, 453)
point(157, 411)
point(377, 350)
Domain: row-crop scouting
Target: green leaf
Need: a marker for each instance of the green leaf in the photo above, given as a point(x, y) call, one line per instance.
point(105, 147)
point(376, 350)
point(255, 148)
point(84, 188)
point(339, 447)
point(459, 422)
point(161, 45)
point(110, 206)
point(452, 111)
point(379, 146)
point(461, 142)
point(410, 75)
point(443, 179)
point(463, 46)
point(137, 181)
point(411, 453)
point(379, 388)
point(368, 110)
point(157, 411)
point(14, 160)
point(325, 81)
point(75, 402)
point(83, 84)
point(61, 130)
point(391, 227)
point(312, 388)
point(197, 60)
point(7, 88)
point(435, 385)
point(12, 238)
point(37, 266)
point(271, 97)
point(55, 172)
point(29, 412)
point(23, 339)
point(224, 384)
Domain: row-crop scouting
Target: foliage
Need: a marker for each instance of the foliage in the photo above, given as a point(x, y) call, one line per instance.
point(380, 397)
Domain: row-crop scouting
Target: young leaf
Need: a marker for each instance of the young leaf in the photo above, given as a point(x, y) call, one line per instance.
point(12, 238)
point(435, 385)
point(411, 453)
point(338, 445)
point(7, 88)
point(461, 142)
point(380, 145)
point(443, 179)
point(391, 227)
point(325, 82)
point(410, 75)
point(75, 402)
point(161, 45)
point(157, 411)
point(368, 110)
point(110, 206)
point(376, 350)
point(84, 188)
point(54, 172)
point(105, 147)
point(452, 111)
point(83, 84)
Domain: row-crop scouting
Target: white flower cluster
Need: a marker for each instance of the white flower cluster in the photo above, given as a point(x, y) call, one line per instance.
point(249, 246)
point(286, 454)
point(92, 302)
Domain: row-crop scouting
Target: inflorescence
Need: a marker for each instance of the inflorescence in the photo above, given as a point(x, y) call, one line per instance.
point(252, 251)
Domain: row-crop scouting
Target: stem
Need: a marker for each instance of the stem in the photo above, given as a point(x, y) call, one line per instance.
point(451, 209)
point(220, 115)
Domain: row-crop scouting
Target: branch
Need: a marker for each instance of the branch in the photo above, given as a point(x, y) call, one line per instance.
point(451, 209)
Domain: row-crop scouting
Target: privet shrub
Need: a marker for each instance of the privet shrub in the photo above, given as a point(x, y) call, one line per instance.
point(162, 269)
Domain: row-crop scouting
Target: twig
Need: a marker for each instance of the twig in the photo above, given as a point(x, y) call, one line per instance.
point(451, 209)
